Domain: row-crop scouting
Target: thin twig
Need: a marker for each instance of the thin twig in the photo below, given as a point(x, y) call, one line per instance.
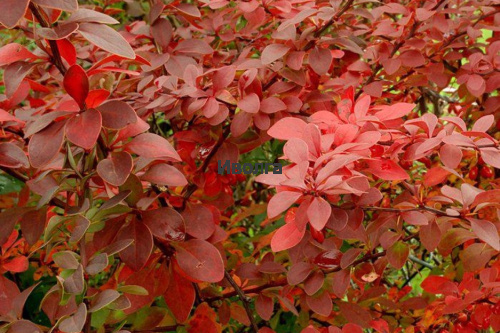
point(193, 187)
point(244, 299)
point(325, 26)
point(56, 55)
point(421, 262)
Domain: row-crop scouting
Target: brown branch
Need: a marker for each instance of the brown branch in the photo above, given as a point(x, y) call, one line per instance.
point(244, 299)
point(56, 58)
point(396, 210)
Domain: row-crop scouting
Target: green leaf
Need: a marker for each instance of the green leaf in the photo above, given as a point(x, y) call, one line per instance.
point(9, 184)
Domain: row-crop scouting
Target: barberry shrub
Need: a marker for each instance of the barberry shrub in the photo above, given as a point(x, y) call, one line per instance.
point(116, 114)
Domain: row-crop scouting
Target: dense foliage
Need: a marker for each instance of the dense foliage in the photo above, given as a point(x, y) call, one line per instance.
point(115, 114)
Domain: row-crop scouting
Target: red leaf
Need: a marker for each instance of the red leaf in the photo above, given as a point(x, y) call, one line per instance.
point(76, 84)
point(13, 52)
point(45, 145)
point(483, 124)
point(68, 5)
point(116, 168)
point(296, 150)
point(200, 260)
point(287, 128)
point(412, 58)
point(430, 235)
point(415, 218)
point(8, 219)
point(281, 201)
point(434, 176)
point(286, 237)
point(165, 175)
point(9, 291)
point(180, 306)
point(319, 212)
point(150, 145)
point(75, 322)
point(240, 123)
point(11, 156)
point(351, 328)
point(239, 314)
point(188, 9)
point(22, 326)
point(137, 254)
point(451, 155)
point(165, 223)
point(33, 224)
point(354, 313)
point(16, 73)
point(395, 111)
point(273, 52)
point(250, 103)
point(299, 272)
point(162, 33)
point(107, 39)
point(320, 60)
point(84, 128)
point(16, 265)
point(328, 259)
point(199, 221)
point(387, 170)
point(491, 156)
point(380, 325)
point(314, 283)
point(204, 320)
point(264, 306)
point(59, 32)
point(86, 15)
point(67, 51)
point(437, 284)
point(397, 254)
point(486, 231)
point(272, 105)
point(195, 46)
point(476, 85)
point(96, 97)
point(117, 114)
point(321, 304)
point(11, 11)
point(223, 77)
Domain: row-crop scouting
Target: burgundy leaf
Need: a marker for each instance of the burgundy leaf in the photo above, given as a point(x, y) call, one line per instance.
point(45, 145)
point(107, 39)
point(137, 254)
point(200, 260)
point(84, 128)
point(116, 168)
point(117, 114)
point(11, 11)
point(11, 156)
